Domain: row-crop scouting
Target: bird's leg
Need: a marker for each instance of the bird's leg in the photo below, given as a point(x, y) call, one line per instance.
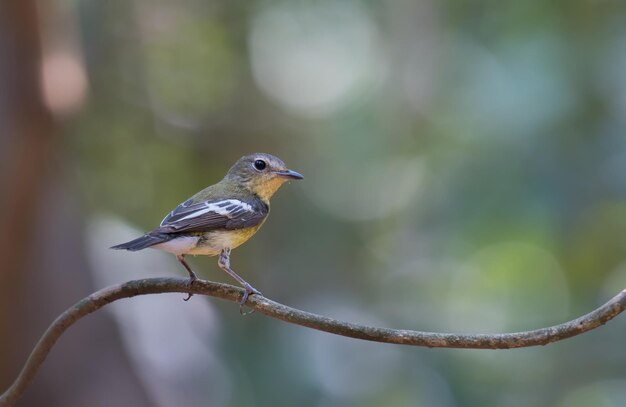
point(192, 275)
point(224, 263)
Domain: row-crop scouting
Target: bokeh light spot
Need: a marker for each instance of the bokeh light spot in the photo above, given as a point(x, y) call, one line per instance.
point(311, 58)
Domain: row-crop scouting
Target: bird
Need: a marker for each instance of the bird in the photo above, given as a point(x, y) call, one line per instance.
point(221, 217)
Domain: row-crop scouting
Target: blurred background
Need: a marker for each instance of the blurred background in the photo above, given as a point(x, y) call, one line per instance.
point(465, 168)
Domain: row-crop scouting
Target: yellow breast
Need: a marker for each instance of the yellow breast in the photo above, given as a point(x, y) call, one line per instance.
point(211, 243)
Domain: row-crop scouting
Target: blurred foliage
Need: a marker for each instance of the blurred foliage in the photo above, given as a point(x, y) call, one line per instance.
point(465, 170)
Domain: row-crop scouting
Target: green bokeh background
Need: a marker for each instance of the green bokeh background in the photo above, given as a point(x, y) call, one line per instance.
point(465, 170)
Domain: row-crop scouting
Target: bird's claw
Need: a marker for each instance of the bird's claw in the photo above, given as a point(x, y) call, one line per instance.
point(190, 284)
point(248, 291)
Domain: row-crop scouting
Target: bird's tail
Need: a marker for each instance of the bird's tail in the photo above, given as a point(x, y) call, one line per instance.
point(147, 240)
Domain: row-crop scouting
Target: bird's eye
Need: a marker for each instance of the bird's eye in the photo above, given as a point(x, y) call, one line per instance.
point(260, 165)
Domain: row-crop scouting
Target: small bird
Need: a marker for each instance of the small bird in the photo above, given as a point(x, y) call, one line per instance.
point(221, 217)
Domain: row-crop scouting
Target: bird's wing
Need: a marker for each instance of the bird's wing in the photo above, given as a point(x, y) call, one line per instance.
point(213, 214)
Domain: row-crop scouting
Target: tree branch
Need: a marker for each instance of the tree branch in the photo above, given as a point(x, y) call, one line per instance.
point(97, 300)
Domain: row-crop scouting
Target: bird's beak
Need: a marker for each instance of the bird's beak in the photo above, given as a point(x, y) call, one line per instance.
point(289, 174)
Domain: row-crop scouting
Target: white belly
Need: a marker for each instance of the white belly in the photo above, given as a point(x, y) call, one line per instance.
point(211, 244)
point(180, 245)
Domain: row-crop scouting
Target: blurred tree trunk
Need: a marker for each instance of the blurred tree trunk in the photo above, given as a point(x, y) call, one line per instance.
point(27, 141)
point(43, 268)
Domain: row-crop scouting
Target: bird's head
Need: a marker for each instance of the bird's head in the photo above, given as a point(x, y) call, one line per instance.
point(261, 173)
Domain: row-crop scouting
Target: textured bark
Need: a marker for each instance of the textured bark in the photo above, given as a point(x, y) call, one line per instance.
point(97, 300)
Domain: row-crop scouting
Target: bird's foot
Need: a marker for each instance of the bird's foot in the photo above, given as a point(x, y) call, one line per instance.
point(190, 282)
point(248, 291)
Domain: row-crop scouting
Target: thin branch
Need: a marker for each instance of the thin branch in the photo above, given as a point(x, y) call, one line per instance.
point(97, 300)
